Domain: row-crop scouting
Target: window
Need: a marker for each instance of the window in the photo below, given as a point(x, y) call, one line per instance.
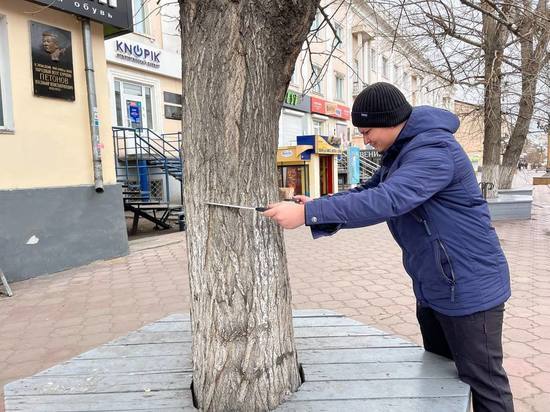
point(405, 81)
point(316, 79)
point(294, 77)
point(356, 73)
point(318, 127)
point(340, 34)
point(172, 106)
point(339, 87)
point(157, 190)
point(130, 94)
point(385, 67)
point(316, 26)
point(395, 74)
point(5, 91)
point(373, 59)
point(140, 16)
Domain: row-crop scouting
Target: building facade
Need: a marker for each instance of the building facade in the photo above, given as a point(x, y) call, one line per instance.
point(144, 78)
point(52, 214)
point(470, 132)
point(358, 48)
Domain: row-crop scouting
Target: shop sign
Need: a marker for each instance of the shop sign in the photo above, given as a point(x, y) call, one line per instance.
point(292, 153)
point(135, 110)
point(143, 57)
point(327, 145)
point(52, 62)
point(331, 109)
point(296, 101)
point(116, 13)
point(136, 53)
point(354, 155)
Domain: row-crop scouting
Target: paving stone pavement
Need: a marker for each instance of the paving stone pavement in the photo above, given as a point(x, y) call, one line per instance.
point(357, 273)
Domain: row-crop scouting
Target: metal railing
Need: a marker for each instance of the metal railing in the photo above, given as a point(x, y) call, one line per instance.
point(367, 167)
point(141, 154)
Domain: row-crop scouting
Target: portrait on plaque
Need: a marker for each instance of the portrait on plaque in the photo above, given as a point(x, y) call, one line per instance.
point(52, 62)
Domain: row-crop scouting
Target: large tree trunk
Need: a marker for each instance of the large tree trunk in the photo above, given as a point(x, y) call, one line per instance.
point(494, 37)
point(238, 57)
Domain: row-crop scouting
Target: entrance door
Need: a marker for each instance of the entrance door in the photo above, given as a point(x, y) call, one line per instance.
point(133, 105)
point(325, 173)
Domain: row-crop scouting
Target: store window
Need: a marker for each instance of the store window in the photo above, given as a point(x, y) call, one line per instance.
point(140, 16)
point(5, 91)
point(295, 177)
point(339, 82)
point(172, 106)
point(318, 127)
point(133, 104)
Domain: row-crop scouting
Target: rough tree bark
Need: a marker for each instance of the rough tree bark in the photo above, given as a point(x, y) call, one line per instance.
point(238, 57)
point(494, 39)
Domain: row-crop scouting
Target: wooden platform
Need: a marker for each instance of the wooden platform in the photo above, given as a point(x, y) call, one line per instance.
point(348, 367)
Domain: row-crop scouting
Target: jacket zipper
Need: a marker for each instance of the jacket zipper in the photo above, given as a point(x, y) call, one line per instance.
point(452, 280)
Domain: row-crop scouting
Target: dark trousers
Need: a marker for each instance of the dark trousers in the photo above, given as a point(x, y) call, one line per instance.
point(474, 342)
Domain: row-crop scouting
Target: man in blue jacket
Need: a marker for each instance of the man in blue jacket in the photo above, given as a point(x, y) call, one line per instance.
point(427, 193)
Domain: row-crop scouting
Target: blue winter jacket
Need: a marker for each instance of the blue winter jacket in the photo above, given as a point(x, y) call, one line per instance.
point(427, 192)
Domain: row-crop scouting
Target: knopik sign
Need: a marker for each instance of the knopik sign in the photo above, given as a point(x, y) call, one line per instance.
point(137, 53)
point(115, 13)
point(143, 57)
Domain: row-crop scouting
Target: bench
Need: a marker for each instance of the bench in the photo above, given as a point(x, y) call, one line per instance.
point(347, 367)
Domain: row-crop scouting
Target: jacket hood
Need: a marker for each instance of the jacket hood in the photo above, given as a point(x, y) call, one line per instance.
point(424, 118)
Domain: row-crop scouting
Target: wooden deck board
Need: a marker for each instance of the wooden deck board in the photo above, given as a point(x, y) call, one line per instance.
point(347, 365)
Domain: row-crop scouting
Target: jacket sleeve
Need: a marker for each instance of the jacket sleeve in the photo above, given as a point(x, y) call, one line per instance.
point(423, 172)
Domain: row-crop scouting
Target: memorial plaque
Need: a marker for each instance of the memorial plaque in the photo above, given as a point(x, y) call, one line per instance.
point(52, 62)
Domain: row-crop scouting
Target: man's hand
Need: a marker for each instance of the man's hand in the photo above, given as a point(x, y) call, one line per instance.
point(288, 215)
point(301, 199)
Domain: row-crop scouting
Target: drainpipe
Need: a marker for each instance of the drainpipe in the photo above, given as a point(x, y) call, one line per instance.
point(92, 104)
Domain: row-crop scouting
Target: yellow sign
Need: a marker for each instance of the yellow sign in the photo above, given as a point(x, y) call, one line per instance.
point(290, 154)
point(327, 145)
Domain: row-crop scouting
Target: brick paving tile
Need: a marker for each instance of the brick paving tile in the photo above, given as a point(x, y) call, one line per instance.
point(356, 272)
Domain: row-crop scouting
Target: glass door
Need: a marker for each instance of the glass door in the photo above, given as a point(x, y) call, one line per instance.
point(133, 105)
point(325, 174)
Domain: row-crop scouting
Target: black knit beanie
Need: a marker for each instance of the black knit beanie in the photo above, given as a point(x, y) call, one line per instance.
point(380, 105)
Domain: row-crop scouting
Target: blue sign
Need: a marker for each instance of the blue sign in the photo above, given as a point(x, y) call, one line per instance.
point(134, 111)
point(354, 155)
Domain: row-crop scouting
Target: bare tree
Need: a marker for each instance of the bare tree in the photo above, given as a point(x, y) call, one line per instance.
point(238, 57)
point(533, 32)
point(494, 49)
